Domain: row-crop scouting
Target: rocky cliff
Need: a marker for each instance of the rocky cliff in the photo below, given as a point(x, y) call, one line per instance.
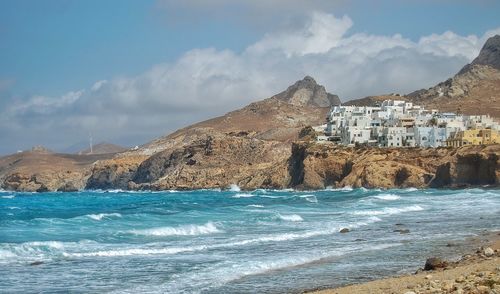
point(317, 166)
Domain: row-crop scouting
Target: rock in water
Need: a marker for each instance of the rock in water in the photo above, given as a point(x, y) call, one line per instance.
point(434, 263)
point(344, 230)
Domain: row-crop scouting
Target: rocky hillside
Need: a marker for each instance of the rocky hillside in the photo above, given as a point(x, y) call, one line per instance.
point(475, 89)
point(279, 118)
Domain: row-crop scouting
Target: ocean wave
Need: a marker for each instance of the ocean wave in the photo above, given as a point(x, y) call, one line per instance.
point(256, 205)
point(100, 216)
point(185, 230)
point(221, 274)
point(133, 252)
point(389, 210)
point(310, 198)
point(290, 217)
point(8, 196)
point(243, 195)
point(388, 197)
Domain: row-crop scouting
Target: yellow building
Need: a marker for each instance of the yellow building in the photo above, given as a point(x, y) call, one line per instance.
point(473, 137)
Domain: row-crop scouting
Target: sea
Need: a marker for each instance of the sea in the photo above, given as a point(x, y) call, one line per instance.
point(230, 241)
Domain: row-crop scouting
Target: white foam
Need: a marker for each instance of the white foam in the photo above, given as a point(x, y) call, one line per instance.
point(388, 197)
point(346, 188)
point(234, 188)
point(310, 198)
point(8, 196)
point(389, 210)
point(186, 230)
point(256, 205)
point(243, 195)
point(291, 217)
point(100, 216)
point(133, 251)
point(410, 189)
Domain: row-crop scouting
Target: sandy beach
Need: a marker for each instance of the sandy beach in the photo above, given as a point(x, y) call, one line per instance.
point(476, 272)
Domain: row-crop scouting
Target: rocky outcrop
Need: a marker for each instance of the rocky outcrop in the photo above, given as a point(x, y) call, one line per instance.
point(469, 166)
point(317, 166)
point(114, 173)
point(216, 161)
point(308, 92)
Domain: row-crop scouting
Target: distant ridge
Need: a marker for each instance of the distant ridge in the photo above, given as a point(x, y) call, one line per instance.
point(103, 148)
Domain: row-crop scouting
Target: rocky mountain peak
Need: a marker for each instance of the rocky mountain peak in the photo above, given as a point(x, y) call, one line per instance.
point(307, 92)
point(489, 55)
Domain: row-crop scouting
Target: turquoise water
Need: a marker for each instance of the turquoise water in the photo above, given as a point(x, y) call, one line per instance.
point(230, 241)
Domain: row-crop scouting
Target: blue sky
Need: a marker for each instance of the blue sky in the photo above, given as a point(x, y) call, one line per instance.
point(150, 54)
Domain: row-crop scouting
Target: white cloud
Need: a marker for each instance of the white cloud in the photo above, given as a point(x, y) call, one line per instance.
point(207, 82)
point(319, 35)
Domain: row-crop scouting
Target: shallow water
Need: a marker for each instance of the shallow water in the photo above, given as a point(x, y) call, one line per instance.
point(230, 241)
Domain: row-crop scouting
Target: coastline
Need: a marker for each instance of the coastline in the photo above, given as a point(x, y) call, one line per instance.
point(474, 272)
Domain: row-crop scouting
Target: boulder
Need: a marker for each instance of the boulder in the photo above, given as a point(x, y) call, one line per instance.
point(434, 263)
point(344, 230)
point(488, 252)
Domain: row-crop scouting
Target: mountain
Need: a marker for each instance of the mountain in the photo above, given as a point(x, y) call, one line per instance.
point(103, 148)
point(278, 118)
point(475, 89)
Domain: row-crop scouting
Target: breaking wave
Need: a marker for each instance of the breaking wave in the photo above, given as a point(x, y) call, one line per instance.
point(185, 230)
point(291, 217)
point(100, 216)
point(389, 210)
point(388, 197)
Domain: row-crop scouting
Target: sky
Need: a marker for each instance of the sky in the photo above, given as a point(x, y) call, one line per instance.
point(128, 71)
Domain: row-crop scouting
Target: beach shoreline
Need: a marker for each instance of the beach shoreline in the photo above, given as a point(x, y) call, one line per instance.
point(475, 272)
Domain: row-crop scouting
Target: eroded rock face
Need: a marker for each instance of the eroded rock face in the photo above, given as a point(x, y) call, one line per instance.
point(113, 173)
point(317, 166)
point(216, 161)
point(469, 167)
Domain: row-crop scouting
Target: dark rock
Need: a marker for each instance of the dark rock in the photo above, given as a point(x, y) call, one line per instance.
point(36, 263)
point(434, 263)
point(402, 231)
point(344, 230)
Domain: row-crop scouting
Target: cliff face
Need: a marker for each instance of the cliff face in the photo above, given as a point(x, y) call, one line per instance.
point(317, 166)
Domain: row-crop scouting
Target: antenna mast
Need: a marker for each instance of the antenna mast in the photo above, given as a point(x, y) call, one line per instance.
point(90, 142)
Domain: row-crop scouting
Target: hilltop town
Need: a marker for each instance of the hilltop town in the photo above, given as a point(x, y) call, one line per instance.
point(398, 123)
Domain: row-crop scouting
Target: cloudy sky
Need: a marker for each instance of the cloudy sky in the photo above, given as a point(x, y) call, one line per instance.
point(129, 71)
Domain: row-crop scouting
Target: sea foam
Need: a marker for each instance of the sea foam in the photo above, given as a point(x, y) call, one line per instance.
point(388, 197)
point(389, 210)
point(100, 216)
point(185, 230)
point(291, 217)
